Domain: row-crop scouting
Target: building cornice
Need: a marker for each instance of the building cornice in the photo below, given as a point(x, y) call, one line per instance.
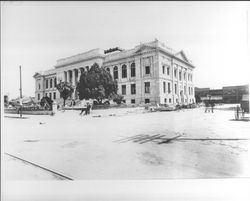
point(78, 61)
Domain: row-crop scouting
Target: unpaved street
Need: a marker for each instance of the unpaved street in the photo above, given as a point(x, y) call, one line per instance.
point(98, 146)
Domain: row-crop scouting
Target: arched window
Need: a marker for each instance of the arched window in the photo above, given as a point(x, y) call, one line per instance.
point(108, 69)
point(47, 84)
point(51, 83)
point(133, 70)
point(124, 71)
point(115, 72)
point(55, 82)
point(39, 86)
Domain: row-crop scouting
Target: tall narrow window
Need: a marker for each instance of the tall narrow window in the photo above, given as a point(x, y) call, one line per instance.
point(168, 70)
point(124, 71)
point(147, 87)
point(133, 89)
point(115, 72)
point(50, 95)
point(123, 89)
point(55, 82)
point(47, 84)
point(180, 75)
point(54, 95)
point(39, 86)
point(147, 70)
point(38, 96)
point(164, 87)
point(169, 90)
point(185, 90)
point(163, 69)
point(133, 70)
point(175, 73)
point(175, 88)
point(51, 83)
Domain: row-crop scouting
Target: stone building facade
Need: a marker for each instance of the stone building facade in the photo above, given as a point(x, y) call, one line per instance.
point(149, 73)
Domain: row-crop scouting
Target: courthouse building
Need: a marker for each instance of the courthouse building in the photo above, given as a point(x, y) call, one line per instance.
point(149, 73)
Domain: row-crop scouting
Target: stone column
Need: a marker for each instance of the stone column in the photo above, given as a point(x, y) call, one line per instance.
point(79, 75)
point(67, 75)
point(73, 78)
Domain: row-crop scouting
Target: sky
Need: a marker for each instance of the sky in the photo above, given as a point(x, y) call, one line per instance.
point(214, 35)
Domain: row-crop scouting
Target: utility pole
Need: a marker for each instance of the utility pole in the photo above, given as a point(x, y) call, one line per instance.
point(21, 101)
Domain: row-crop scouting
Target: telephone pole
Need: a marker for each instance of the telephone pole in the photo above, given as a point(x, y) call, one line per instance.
point(21, 101)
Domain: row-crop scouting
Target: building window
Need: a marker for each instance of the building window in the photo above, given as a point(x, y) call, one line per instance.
point(168, 70)
point(165, 100)
point(175, 88)
point(123, 89)
point(147, 100)
point(191, 78)
point(188, 90)
point(54, 95)
point(51, 83)
point(163, 69)
point(38, 96)
point(39, 86)
point(184, 76)
point(180, 75)
point(133, 89)
point(50, 95)
point(115, 72)
point(188, 77)
point(124, 71)
point(175, 73)
point(108, 69)
point(164, 87)
point(55, 82)
point(47, 84)
point(169, 90)
point(169, 100)
point(185, 90)
point(133, 70)
point(147, 70)
point(147, 87)
point(176, 100)
point(132, 101)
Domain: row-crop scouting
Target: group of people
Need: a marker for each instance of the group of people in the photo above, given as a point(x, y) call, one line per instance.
point(86, 109)
point(208, 105)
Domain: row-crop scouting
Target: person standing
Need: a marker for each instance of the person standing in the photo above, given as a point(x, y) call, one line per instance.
point(212, 106)
point(82, 105)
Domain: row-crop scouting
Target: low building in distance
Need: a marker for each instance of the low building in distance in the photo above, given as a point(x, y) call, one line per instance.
point(228, 94)
point(149, 73)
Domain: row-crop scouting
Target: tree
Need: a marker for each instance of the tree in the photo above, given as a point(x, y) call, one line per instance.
point(46, 102)
point(97, 84)
point(118, 98)
point(65, 89)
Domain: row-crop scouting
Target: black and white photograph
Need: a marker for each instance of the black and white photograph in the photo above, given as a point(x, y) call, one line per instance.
point(124, 91)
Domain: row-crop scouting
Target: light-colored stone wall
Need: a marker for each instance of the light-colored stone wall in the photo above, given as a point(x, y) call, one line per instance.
point(153, 54)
